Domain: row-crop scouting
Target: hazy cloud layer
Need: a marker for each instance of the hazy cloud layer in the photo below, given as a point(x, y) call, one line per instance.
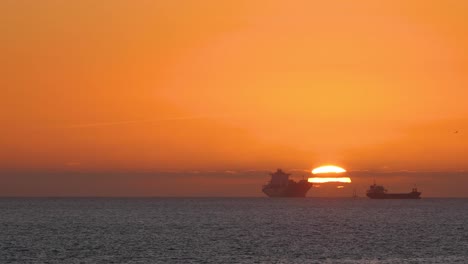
point(222, 183)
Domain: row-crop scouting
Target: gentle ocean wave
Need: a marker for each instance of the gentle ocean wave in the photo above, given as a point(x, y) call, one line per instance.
point(233, 230)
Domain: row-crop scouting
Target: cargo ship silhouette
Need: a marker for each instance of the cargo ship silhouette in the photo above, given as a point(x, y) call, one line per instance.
point(379, 192)
point(281, 186)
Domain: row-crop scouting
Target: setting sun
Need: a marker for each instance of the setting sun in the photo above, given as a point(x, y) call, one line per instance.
point(326, 180)
point(328, 169)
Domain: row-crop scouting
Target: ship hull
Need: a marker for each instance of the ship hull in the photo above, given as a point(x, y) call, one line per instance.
point(411, 195)
point(291, 190)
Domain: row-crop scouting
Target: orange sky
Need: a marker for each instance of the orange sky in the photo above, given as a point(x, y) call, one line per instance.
point(135, 95)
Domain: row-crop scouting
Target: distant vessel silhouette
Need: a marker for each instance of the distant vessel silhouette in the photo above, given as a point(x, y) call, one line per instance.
point(281, 186)
point(379, 192)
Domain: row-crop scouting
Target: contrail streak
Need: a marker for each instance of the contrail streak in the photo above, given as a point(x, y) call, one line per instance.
point(116, 123)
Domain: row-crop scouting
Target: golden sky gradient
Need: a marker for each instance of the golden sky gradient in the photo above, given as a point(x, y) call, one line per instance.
point(112, 89)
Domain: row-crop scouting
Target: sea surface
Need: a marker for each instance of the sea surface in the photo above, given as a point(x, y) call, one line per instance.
point(233, 230)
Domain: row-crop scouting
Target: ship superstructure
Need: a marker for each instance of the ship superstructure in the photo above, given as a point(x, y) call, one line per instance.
point(281, 186)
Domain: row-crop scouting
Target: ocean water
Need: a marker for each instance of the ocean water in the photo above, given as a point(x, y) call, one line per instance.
point(233, 230)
